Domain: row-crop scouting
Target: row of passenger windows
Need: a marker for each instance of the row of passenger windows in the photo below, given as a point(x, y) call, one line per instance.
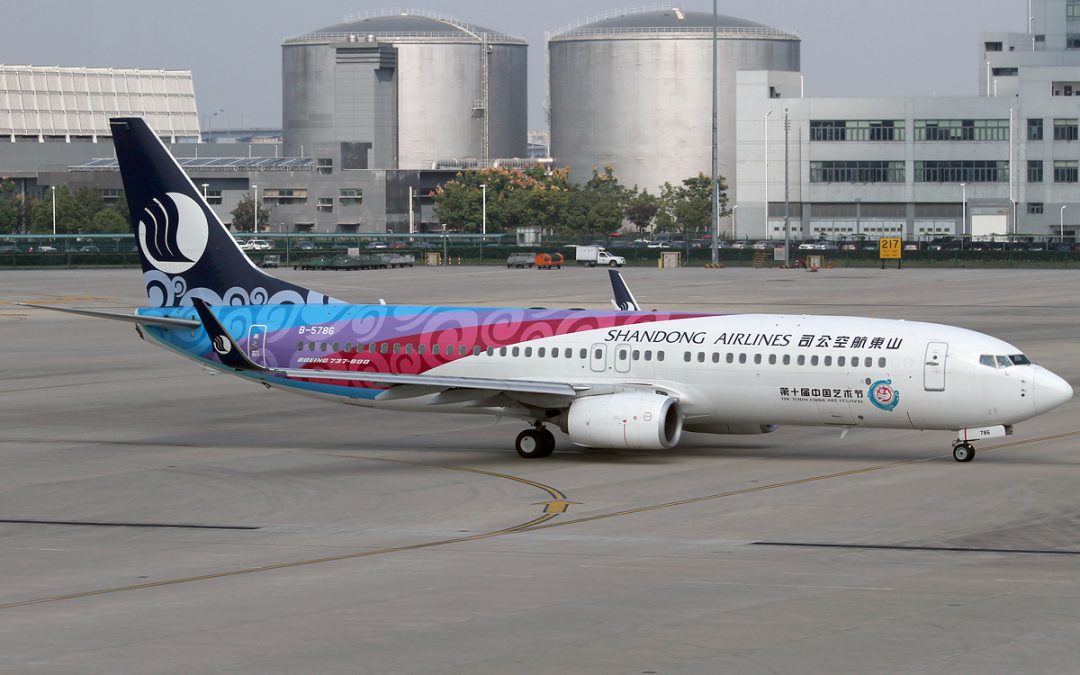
point(583, 353)
point(786, 359)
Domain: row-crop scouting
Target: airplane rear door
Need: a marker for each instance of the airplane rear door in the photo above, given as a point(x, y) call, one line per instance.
point(598, 357)
point(256, 344)
point(937, 353)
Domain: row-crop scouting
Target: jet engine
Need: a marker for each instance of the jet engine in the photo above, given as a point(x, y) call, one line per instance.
point(638, 420)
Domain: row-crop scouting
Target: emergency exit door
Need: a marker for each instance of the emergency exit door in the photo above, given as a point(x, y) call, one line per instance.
point(937, 353)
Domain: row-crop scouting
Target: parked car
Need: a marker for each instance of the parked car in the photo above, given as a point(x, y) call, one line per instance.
point(741, 244)
point(260, 245)
point(427, 244)
point(271, 260)
point(377, 245)
point(45, 248)
point(304, 245)
point(89, 248)
point(520, 260)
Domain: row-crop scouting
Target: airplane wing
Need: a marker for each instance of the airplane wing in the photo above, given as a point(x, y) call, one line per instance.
point(162, 321)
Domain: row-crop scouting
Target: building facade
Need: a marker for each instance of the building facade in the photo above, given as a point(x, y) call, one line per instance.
point(1000, 163)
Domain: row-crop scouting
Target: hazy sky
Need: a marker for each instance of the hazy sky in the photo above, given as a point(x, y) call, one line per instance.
point(233, 47)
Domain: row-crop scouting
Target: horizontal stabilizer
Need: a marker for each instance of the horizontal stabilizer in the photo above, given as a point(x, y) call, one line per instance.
point(161, 321)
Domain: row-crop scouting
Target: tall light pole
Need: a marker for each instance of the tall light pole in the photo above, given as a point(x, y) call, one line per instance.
point(734, 223)
point(204, 192)
point(787, 213)
point(483, 219)
point(715, 188)
point(210, 126)
point(255, 207)
point(53, 209)
point(1061, 223)
point(767, 173)
point(963, 211)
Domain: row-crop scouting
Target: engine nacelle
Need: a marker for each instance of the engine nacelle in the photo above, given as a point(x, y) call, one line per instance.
point(741, 428)
point(638, 420)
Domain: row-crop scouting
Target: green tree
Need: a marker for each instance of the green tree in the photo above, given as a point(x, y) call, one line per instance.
point(244, 215)
point(10, 208)
point(514, 197)
point(687, 207)
point(641, 209)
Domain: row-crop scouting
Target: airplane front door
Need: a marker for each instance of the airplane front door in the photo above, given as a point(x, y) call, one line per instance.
point(937, 353)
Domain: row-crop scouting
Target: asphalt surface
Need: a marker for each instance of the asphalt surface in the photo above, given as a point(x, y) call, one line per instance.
point(155, 518)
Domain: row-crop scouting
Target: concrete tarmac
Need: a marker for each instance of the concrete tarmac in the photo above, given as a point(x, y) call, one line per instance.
point(155, 518)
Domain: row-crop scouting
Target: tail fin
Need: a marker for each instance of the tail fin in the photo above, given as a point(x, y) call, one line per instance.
point(186, 252)
point(623, 299)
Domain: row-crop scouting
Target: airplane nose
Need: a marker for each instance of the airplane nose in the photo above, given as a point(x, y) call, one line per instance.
point(1050, 391)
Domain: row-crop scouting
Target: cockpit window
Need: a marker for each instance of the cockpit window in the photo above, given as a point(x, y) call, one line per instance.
point(999, 361)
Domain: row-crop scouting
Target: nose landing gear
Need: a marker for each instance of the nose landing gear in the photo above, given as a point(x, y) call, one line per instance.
point(963, 451)
point(535, 443)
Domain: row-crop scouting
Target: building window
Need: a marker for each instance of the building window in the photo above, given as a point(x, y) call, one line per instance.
point(856, 172)
point(325, 204)
point(857, 130)
point(285, 196)
point(993, 46)
point(351, 196)
point(1072, 9)
point(213, 197)
point(1035, 129)
point(324, 165)
point(1006, 72)
point(1035, 208)
point(1065, 171)
point(1065, 129)
point(1072, 42)
point(110, 195)
point(961, 130)
point(962, 171)
point(1035, 170)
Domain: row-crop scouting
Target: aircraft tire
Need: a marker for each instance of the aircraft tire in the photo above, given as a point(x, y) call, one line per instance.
point(963, 452)
point(530, 444)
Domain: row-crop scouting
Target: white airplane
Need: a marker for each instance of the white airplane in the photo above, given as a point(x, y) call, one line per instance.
point(608, 379)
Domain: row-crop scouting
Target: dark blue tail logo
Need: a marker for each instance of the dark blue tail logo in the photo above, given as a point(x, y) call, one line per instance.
point(173, 233)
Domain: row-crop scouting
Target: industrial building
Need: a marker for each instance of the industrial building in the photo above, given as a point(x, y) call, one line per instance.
point(1003, 162)
point(633, 90)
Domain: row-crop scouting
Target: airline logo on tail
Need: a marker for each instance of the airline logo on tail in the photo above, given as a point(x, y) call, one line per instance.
point(173, 235)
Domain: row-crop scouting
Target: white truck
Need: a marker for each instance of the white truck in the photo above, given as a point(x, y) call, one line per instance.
point(591, 256)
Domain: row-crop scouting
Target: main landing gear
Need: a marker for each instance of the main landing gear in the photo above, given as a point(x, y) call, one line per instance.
point(535, 443)
point(963, 451)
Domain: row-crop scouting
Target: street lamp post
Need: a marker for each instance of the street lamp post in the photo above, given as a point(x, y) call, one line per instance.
point(734, 223)
point(53, 210)
point(963, 213)
point(255, 207)
point(767, 173)
point(204, 192)
point(483, 219)
point(1061, 223)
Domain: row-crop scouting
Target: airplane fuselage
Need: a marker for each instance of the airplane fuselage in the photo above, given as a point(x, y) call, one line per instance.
point(728, 372)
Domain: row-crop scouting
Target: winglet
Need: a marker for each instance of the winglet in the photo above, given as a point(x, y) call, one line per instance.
point(227, 349)
point(624, 299)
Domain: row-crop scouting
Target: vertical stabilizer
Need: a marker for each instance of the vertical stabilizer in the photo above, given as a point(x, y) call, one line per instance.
point(186, 251)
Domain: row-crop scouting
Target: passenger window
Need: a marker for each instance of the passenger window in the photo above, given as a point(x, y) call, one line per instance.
point(840, 361)
point(408, 347)
point(322, 346)
point(515, 351)
point(502, 350)
point(397, 347)
point(772, 357)
point(311, 346)
point(528, 351)
point(475, 350)
point(787, 359)
point(598, 354)
point(540, 351)
point(336, 346)
point(828, 359)
point(555, 352)
point(371, 348)
point(299, 345)
point(686, 357)
point(648, 355)
point(434, 350)
point(813, 360)
point(660, 355)
point(584, 354)
point(701, 357)
point(490, 350)
point(567, 353)
point(715, 356)
point(637, 353)
point(730, 358)
point(742, 358)
point(802, 360)
point(622, 352)
point(757, 359)
point(881, 362)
